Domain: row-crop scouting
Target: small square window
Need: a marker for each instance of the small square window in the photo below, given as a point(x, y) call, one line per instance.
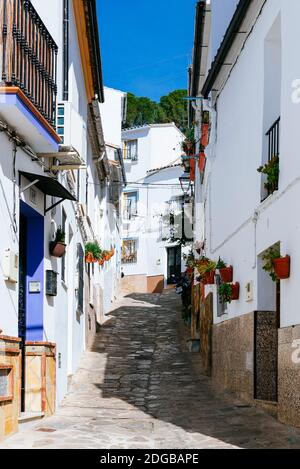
point(60, 121)
point(61, 111)
point(6, 383)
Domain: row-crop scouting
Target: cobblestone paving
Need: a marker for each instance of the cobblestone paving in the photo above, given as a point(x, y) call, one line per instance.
point(138, 388)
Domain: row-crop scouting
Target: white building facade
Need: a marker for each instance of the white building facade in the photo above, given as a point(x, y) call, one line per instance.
point(151, 254)
point(251, 91)
point(55, 180)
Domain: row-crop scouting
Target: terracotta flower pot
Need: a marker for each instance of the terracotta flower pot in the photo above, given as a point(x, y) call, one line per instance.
point(205, 135)
point(209, 278)
point(89, 258)
point(101, 261)
point(226, 274)
point(282, 267)
point(235, 291)
point(202, 162)
point(57, 249)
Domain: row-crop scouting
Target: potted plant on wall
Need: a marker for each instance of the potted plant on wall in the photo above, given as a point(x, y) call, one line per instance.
point(271, 170)
point(189, 143)
point(92, 252)
point(226, 272)
point(207, 271)
point(229, 292)
point(277, 266)
point(58, 246)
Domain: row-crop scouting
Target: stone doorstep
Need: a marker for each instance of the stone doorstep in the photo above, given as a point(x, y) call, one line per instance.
point(27, 417)
point(268, 406)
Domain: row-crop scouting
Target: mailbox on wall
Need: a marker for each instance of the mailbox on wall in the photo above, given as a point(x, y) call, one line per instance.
point(51, 283)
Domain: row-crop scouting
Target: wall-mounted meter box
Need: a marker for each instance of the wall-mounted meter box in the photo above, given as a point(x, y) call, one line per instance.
point(51, 283)
point(11, 266)
point(249, 291)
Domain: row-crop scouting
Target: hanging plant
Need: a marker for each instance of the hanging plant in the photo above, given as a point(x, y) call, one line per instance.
point(92, 252)
point(207, 271)
point(189, 259)
point(271, 170)
point(189, 143)
point(106, 256)
point(58, 247)
point(277, 266)
point(229, 292)
point(226, 272)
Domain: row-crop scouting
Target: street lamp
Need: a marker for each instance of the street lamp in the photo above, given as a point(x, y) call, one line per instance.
point(185, 184)
point(186, 163)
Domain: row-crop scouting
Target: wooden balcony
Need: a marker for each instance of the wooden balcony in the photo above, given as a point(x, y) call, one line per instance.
point(28, 57)
point(28, 64)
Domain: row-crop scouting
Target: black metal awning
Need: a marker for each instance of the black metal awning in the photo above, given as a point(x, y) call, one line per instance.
point(49, 186)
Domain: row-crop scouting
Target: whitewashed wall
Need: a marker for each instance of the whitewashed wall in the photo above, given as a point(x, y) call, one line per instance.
point(158, 146)
point(239, 226)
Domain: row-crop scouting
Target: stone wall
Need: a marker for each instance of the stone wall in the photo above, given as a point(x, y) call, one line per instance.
point(266, 356)
point(40, 395)
point(155, 284)
point(134, 284)
point(289, 376)
point(233, 354)
point(10, 385)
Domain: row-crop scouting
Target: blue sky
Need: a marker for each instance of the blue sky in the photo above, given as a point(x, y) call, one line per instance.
point(146, 45)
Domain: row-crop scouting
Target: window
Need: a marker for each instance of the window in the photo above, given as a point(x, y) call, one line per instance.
point(129, 251)
point(130, 205)
point(6, 383)
point(63, 259)
point(130, 150)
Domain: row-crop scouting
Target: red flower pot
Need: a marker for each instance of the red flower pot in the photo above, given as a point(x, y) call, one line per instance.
point(226, 274)
point(209, 278)
point(57, 249)
point(89, 259)
point(202, 162)
point(235, 291)
point(205, 135)
point(282, 267)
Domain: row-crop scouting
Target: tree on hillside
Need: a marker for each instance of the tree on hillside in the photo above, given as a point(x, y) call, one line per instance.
point(175, 107)
point(172, 108)
point(142, 111)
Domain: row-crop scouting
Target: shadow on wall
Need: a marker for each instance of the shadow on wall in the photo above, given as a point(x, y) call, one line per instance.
point(149, 367)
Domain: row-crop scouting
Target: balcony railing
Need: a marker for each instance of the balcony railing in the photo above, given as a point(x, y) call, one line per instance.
point(273, 140)
point(28, 55)
point(130, 259)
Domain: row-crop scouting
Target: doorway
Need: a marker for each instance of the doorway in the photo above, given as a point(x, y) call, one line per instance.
point(174, 263)
point(31, 283)
point(266, 325)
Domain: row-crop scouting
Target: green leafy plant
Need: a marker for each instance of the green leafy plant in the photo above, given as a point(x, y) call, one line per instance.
point(221, 264)
point(271, 170)
point(188, 144)
point(268, 258)
point(60, 236)
point(206, 267)
point(225, 292)
point(189, 259)
point(93, 249)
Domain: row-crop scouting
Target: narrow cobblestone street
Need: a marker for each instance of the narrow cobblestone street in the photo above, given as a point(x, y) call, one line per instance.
point(138, 388)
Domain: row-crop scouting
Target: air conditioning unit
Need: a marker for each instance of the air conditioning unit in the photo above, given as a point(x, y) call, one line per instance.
point(71, 128)
point(11, 266)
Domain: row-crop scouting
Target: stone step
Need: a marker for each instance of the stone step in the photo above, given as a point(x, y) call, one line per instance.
point(27, 417)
